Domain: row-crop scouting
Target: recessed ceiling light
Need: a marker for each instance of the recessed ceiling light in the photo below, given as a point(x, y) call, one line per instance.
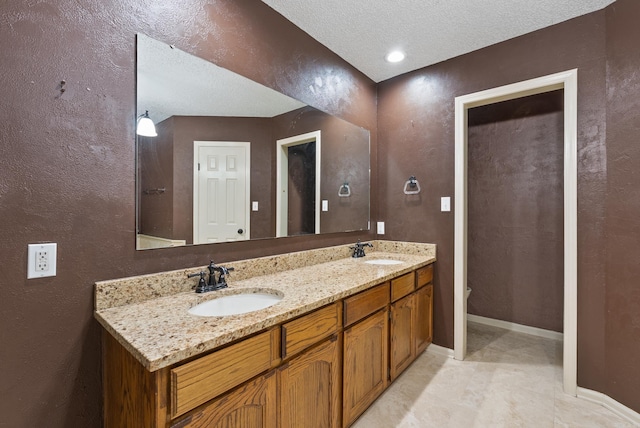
point(395, 56)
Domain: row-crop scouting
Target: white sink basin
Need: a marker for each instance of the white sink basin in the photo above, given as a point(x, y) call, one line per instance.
point(236, 304)
point(383, 262)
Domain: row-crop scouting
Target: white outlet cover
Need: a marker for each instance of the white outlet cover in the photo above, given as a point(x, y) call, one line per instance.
point(254, 206)
point(325, 205)
point(34, 251)
point(380, 228)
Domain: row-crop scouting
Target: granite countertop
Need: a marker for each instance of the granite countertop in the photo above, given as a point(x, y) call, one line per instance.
point(160, 332)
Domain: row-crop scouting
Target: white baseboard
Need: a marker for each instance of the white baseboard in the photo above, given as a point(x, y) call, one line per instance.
point(611, 404)
point(440, 350)
point(534, 331)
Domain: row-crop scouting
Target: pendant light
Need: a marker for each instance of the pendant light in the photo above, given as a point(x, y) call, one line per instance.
point(145, 126)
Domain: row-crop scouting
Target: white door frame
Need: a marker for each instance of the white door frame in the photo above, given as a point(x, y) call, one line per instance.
point(567, 80)
point(282, 178)
point(196, 199)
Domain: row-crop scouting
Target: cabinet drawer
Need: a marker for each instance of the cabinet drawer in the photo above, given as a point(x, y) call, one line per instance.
point(309, 329)
point(365, 303)
point(402, 286)
point(425, 276)
point(201, 380)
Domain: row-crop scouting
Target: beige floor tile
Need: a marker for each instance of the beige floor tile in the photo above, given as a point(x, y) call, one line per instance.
point(508, 380)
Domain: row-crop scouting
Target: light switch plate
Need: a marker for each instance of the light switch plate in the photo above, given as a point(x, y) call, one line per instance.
point(445, 203)
point(381, 228)
point(41, 261)
point(254, 206)
point(325, 205)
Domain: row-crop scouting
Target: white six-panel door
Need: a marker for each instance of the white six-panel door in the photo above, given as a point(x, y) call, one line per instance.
point(221, 191)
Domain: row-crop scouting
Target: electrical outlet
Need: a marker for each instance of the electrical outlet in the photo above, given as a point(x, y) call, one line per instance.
point(381, 228)
point(254, 206)
point(325, 205)
point(41, 260)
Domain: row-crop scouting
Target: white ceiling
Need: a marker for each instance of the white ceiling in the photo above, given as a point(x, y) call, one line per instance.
point(362, 32)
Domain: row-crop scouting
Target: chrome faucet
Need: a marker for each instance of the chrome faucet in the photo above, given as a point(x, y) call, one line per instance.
point(358, 249)
point(212, 284)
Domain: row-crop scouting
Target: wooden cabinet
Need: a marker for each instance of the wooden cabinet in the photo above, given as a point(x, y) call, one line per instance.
point(423, 318)
point(365, 366)
point(366, 350)
point(402, 285)
point(198, 381)
point(365, 303)
point(253, 405)
point(310, 329)
point(311, 387)
point(322, 369)
point(133, 396)
point(402, 335)
point(411, 329)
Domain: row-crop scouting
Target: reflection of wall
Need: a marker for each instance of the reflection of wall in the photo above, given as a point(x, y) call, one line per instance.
point(71, 179)
point(155, 160)
point(167, 161)
point(342, 147)
point(515, 211)
point(176, 135)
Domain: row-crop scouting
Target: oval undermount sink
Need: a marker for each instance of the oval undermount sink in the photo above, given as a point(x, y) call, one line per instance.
point(236, 304)
point(383, 262)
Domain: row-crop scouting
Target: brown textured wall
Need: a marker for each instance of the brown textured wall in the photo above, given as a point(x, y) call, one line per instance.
point(416, 137)
point(71, 178)
point(623, 203)
point(515, 211)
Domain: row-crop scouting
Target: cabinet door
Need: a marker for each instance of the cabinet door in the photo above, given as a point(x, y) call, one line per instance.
point(253, 405)
point(311, 388)
point(402, 348)
point(365, 364)
point(423, 318)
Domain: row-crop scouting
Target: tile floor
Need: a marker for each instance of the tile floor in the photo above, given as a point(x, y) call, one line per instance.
point(508, 380)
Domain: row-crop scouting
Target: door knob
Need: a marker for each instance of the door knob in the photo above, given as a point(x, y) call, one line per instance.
point(240, 231)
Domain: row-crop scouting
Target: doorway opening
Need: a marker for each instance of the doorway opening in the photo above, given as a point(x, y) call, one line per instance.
point(298, 164)
point(515, 211)
point(568, 82)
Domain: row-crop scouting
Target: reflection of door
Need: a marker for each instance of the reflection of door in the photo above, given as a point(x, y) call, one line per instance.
point(221, 183)
point(291, 193)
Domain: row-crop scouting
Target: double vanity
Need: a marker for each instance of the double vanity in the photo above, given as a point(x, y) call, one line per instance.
point(301, 339)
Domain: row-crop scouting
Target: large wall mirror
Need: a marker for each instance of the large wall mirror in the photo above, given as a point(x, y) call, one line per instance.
point(234, 160)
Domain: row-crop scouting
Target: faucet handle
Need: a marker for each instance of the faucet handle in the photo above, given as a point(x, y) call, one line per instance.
point(202, 284)
point(226, 270)
point(222, 281)
point(201, 274)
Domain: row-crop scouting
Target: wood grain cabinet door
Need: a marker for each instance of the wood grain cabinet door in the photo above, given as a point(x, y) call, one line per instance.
point(311, 388)
point(402, 336)
point(253, 405)
point(423, 318)
point(365, 369)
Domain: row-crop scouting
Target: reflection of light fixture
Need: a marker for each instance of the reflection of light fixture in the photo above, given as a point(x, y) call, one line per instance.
point(395, 56)
point(145, 126)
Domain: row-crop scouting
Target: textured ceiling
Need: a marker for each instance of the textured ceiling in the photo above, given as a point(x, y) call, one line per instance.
point(428, 31)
